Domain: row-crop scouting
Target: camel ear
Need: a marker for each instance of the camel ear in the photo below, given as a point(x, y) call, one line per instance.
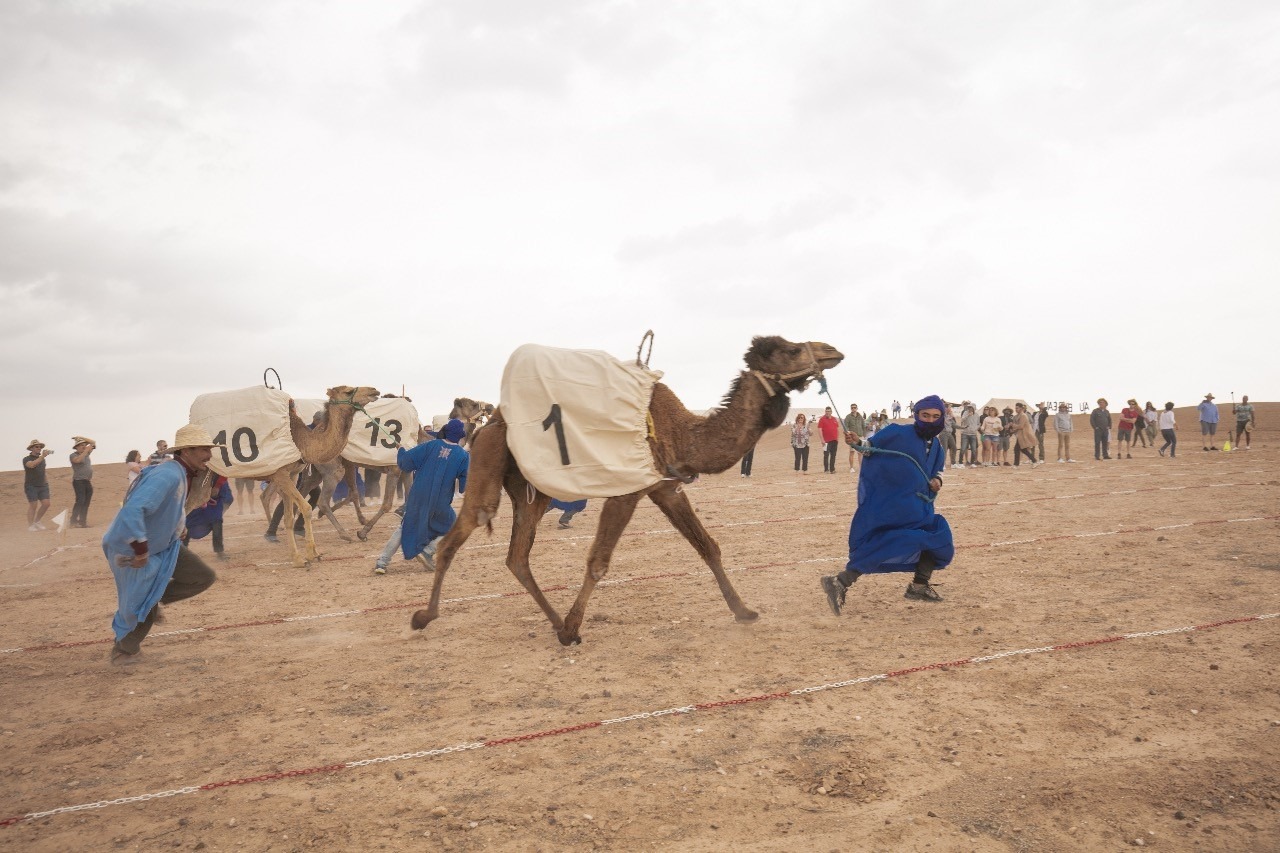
point(762, 349)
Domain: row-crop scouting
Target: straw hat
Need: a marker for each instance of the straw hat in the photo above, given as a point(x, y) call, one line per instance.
point(35, 442)
point(77, 440)
point(192, 435)
point(1208, 396)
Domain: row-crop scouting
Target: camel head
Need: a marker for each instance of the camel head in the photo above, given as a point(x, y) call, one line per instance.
point(790, 365)
point(362, 396)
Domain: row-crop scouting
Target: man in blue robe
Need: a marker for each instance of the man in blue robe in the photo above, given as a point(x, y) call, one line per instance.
point(143, 545)
point(895, 528)
point(428, 514)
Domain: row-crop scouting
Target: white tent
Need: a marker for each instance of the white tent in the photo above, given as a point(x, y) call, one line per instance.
point(1002, 403)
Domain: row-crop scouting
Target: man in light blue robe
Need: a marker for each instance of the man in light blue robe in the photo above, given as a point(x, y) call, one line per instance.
point(895, 528)
point(143, 545)
point(437, 466)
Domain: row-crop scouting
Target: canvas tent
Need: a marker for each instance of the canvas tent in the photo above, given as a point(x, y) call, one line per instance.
point(1002, 403)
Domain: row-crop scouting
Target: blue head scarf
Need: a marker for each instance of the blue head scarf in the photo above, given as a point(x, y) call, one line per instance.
point(928, 430)
point(453, 431)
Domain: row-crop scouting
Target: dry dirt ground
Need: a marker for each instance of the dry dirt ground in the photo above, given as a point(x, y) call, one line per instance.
point(1169, 741)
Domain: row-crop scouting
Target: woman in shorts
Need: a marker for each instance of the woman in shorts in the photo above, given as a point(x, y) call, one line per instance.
point(991, 428)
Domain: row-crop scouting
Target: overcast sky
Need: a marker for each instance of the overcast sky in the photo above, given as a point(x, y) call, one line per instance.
point(1059, 200)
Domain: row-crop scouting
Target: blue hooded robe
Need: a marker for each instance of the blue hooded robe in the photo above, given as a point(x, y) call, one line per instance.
point(893, 525)
point(428, 513)
point(152, 512)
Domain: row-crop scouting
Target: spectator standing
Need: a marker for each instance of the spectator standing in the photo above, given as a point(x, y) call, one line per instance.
point(855, 427)
point(1244, 422)
point(829, 428)
point(132, 467)
point(800, 443)
point(897, 410)
point(1006, 435)
point(1100, 420)
point(1041, 422)
point(1062, 426)
point(1124, 430)
point(969, 423)
point(1140, 424)
point(162, 453)
point(245, 494)
point(207, 518)
point(948, 436)
point(1169, 429)
point(35, 483)
point(990, 428)
point(873, 424)
point(81, 479)
point(1152, 417)
point(1208, 421)
point(1023, 435)
point(150, 564)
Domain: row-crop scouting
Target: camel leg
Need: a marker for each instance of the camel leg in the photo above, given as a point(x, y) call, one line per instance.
point(325, 504)
point(613, 520)
point(676, 507)
point(267, 498)
point(283, 481)
point(390, 479)
point(524, 529)
point(489, 462)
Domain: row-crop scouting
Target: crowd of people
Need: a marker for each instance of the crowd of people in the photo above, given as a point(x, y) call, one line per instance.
point(1005, 437)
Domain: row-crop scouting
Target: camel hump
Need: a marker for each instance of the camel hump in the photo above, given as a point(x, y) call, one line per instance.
point(578, 421)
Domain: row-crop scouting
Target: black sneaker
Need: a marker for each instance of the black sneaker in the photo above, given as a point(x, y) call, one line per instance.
point(921, 592)
point(835, 591)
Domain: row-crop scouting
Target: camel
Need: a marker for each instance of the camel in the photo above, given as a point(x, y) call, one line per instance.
point(683, 445)
point(319, 445)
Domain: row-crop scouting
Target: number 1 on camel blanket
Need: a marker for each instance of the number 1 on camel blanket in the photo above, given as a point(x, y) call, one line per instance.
point(554, 418)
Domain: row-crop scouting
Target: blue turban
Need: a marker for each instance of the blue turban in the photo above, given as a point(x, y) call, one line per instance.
point(928, 430)
point(453, 431)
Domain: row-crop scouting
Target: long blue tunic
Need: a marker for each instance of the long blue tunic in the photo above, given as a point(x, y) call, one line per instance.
point(152, 511)
point(894, 525)
point(437, 465)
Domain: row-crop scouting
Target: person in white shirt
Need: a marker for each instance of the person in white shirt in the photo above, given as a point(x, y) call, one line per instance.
point(1169, 429)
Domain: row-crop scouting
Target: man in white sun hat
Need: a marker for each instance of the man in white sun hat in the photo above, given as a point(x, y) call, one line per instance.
point(143, 545)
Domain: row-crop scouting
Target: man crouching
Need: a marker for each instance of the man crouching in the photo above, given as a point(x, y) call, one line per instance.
point(144, 547)
point(895, 528)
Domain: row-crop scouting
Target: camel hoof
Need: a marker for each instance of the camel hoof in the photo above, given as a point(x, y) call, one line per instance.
point(345, 537)
point(575, 640)
point(420, 620)
point(362, 535)
point(746, 616)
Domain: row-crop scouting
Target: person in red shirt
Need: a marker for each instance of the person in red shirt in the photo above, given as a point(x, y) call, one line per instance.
point(1124, 430)
point(829, 426)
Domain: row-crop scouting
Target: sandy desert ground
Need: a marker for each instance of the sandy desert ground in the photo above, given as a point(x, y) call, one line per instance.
point(1168, 741)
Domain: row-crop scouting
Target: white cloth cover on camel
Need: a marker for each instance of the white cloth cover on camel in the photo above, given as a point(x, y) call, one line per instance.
point(376, 444)
point(577, 421)
point(396, 416)
point(254, 424)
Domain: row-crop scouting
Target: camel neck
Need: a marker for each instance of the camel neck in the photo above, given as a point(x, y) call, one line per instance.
point(726, 434)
